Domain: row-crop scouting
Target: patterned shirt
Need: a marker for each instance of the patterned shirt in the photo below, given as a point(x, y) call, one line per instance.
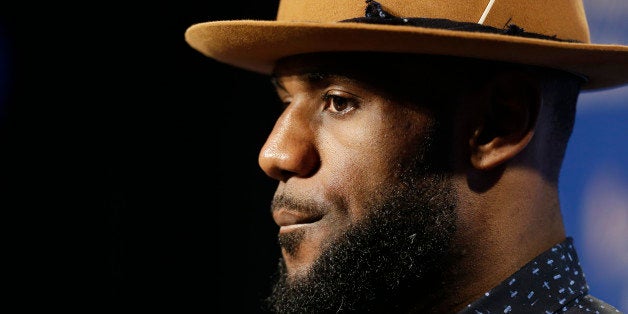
point(551, 283)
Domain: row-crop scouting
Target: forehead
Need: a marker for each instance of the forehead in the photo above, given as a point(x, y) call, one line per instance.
point(376, 62)
point(383, 67)
point(404, 75)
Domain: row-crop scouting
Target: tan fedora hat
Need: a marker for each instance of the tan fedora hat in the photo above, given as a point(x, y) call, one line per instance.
point(549, 33)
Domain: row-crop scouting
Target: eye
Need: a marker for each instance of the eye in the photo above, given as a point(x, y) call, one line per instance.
point(339, 104)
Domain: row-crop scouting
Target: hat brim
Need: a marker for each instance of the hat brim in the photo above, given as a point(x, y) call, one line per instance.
point(256, 45)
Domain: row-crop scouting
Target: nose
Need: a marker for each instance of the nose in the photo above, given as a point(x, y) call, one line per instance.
point(290, 149)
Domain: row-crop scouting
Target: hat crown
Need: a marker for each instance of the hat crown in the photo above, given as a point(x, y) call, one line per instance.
point(564, 19)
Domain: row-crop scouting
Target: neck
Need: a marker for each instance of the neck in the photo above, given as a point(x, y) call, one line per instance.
point(500, 230)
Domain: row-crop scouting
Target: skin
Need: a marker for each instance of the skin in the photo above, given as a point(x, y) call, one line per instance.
point(316, 131)
point(338, 142)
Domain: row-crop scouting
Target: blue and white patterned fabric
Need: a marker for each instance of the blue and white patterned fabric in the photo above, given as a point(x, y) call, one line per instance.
point(551, 283)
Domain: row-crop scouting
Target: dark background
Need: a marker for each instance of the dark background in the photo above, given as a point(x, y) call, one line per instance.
point(129, 161)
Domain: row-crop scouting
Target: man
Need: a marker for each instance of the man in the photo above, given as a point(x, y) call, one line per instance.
point(419, 150)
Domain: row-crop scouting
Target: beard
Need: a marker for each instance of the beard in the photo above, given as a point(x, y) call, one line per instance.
point(393, 260)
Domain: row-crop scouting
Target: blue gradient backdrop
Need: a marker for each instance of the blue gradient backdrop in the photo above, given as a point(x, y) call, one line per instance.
point(594, 181)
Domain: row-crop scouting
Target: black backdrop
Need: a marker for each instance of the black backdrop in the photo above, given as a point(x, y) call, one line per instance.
point(129, 161)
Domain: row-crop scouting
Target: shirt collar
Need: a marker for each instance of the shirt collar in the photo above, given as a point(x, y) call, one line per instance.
point(550, 282)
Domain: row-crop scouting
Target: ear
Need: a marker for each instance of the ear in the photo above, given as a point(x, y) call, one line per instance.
point(510, 114)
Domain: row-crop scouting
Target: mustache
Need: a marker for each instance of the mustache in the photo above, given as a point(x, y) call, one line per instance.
point(300, 204)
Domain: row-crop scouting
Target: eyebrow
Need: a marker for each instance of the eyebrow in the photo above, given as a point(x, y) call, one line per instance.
point(314, 77)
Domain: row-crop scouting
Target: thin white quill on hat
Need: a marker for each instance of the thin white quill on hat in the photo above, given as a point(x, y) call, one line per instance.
point(486, 11)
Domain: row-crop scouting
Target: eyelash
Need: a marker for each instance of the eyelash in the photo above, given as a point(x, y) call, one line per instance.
point(332, 100)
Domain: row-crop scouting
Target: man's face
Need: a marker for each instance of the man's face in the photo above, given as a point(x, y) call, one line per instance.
point(364, 203)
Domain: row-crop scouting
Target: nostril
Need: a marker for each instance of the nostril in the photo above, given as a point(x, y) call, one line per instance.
point(284, 175)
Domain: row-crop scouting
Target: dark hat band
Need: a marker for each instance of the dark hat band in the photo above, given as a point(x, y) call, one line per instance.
point(375, 14)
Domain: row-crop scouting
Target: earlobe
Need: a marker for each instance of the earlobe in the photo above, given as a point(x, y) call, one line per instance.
point(508, 124)
point(497, 151)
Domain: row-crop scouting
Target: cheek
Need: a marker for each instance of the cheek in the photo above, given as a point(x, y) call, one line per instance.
point(359, 160)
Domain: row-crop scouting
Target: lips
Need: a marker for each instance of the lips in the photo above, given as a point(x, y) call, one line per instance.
point(285, 217)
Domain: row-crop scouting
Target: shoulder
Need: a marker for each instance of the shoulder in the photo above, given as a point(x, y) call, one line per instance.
point(590, 304)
